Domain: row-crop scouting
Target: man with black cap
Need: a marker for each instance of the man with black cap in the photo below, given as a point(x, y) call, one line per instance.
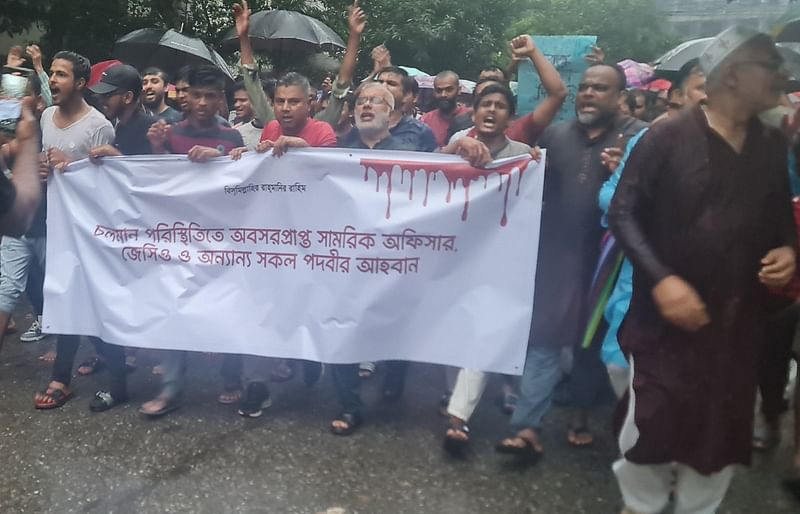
point(119, 90)
point(704, 213)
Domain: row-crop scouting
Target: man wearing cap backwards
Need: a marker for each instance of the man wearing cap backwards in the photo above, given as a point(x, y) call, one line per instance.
point(703, 211)
point(119, 99)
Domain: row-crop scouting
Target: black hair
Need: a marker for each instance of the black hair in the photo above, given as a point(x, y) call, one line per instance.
point(294, 79)
point(238, 86)
point(691, 67)
point(392, 69)
point(36, 84)
point(631, 99)
point(207, 76)
point(496, 68)
point(153, 70)
point(81, 67)
point(397, 71)
point(622, 80)
point(269, 86)
point(410, 85)
point(497, 89)
point(183, 73)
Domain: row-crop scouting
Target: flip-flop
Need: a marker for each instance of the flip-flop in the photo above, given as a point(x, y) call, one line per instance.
point(454, 446)
point(527, 451)
point(58, 396)
point(170, 405)
point(353, 420)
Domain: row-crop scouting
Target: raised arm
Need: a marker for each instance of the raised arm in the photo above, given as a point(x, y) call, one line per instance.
point(528, 128)
point(356, 21)
point(44, 80)
point(252, 82)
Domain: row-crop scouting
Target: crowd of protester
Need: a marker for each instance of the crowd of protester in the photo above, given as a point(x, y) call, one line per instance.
point(702, 313)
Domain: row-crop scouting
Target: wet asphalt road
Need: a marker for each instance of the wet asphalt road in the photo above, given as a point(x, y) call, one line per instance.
point(204, 458)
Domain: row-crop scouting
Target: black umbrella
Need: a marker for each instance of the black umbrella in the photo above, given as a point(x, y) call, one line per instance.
point(673, 61)
point(287, 31)
point(167, 49)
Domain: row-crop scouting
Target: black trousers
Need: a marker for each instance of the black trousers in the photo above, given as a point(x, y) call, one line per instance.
point(113, 355)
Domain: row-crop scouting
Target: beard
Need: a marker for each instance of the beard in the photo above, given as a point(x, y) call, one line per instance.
point(375, 126)
point(446, 105)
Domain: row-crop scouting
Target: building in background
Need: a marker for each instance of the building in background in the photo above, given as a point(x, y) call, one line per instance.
point(700, 18)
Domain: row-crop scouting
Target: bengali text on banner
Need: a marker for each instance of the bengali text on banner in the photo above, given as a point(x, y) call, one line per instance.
point(330, 255)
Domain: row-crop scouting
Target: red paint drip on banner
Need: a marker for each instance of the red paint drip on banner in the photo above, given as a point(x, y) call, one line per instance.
point(454, 173)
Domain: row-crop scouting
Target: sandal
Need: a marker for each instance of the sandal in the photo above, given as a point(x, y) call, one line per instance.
point(353, 420)
point(91, 366)
point(527, 451)
point(366, 370)
point(229, 397)
point(103, 401)
point(579, 437)
point(456, 445)
point(52, 398)
point(169, 404)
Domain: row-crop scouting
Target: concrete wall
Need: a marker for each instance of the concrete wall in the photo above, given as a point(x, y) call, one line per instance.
point(701, 18)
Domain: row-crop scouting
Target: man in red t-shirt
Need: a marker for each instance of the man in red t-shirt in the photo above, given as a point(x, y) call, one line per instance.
point(445, 88)
point(293, 128)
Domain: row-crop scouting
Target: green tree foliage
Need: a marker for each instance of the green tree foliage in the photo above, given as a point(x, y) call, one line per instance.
point(433, 35)
point(625, 28)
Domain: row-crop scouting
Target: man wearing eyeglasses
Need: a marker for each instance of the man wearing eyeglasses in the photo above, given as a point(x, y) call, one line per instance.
point(703, 210)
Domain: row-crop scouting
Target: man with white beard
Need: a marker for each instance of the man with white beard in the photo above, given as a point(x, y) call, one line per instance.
point(374, 105)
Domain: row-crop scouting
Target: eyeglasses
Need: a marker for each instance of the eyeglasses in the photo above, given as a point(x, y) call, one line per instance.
point(372, 100)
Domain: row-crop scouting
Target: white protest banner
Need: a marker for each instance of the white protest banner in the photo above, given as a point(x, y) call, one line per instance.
point(329, 255)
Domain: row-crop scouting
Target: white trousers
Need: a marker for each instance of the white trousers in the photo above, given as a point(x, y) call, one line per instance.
point(646, 489)
point(467, 392)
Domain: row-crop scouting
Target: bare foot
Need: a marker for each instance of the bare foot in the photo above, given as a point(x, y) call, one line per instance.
point(158, 406)
point(229, 397)
point(48, 356)
point(521, 440)
point(158, 370)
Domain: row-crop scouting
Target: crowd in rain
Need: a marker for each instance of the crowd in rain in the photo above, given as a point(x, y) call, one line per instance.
point(667, 254)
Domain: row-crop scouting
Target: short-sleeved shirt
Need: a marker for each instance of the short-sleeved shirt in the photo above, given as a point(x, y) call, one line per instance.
point(184, 136)
point(316, 133)
point(170, 115)
point(410, 133)
point(250, 133)
point(76, 140)
point(131, 137)
point(440, 124)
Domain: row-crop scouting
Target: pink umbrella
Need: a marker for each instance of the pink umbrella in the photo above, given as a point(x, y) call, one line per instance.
point(637, 73)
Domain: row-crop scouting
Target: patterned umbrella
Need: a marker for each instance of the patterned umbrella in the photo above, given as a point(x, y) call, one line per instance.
point(637, 73)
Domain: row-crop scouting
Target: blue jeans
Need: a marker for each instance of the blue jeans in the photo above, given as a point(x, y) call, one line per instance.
point(16, 257)
point(538, 383)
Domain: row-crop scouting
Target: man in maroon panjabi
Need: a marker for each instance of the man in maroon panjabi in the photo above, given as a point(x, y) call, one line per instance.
point(704, 212)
